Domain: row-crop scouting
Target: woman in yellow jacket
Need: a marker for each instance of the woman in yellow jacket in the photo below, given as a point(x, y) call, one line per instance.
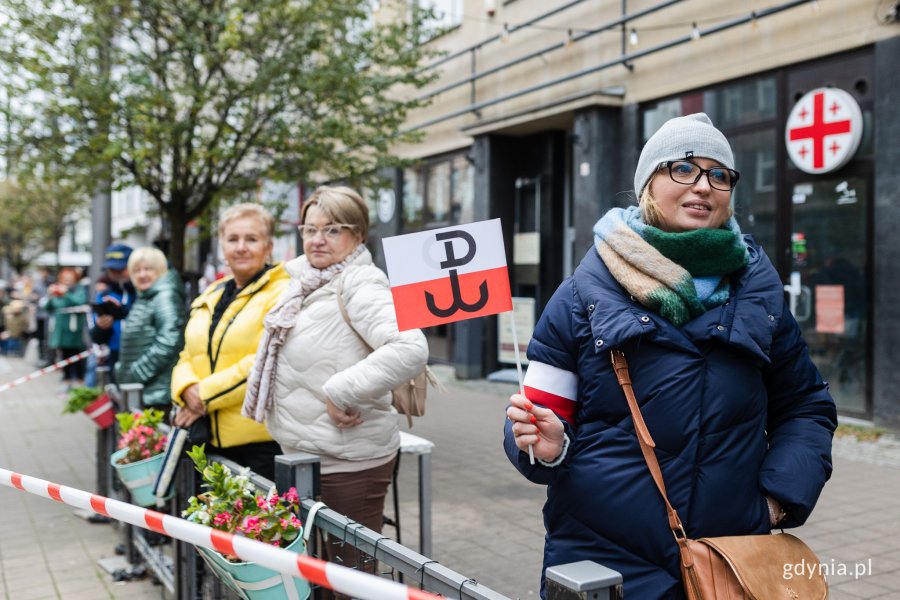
point(221, 338)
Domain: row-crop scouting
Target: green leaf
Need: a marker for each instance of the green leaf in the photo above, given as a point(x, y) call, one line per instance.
point(80, 398)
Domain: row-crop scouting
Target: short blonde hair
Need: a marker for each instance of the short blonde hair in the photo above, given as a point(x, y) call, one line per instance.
point(342, 205)
point(150, 256)
point(247, 209)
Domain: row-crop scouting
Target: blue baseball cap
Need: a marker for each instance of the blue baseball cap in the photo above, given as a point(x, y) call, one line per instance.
point(116, 257)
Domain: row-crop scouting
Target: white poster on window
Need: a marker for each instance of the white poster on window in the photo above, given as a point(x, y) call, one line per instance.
point(522, 318)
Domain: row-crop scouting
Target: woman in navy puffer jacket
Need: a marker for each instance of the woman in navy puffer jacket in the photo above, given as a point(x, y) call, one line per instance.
point(741, 417)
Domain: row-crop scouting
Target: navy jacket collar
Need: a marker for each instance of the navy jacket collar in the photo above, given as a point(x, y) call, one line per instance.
point(747, 321)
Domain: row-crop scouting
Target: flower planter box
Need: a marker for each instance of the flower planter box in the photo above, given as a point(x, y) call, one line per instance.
point(253, 582)
point(101, 411)
point(139, 477)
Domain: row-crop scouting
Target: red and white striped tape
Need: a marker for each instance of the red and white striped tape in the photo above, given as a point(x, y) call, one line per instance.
point(49, 369)
point(335, 577)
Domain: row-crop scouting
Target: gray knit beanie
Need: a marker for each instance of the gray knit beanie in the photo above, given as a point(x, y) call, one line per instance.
point(680, 138)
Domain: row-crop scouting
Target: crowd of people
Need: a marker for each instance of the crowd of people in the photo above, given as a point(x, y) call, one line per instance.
point(272, 358)
point(302, 356)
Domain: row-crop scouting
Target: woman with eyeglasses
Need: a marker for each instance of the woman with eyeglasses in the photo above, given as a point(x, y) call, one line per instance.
point(322, 380)
point(220, 340)
point(740, 416)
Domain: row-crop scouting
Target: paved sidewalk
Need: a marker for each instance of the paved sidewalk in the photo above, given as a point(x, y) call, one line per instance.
point(487, 518)
point(46, 552)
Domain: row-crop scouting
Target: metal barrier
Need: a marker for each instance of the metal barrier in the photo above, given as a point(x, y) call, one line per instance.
point(140, 546)
point(186, 578)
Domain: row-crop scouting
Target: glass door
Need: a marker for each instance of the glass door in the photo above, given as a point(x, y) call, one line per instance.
point(827, 284)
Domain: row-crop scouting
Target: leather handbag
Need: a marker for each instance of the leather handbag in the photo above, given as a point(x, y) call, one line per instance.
point(408, 397)
point(750, 567)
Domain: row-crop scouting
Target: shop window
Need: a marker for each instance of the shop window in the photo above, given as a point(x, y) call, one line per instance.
point(447, 13)
point(438, 194)
point(463, 190)
point(742, 103)
point(413, 199)
point(754, 197)
point(370, 197)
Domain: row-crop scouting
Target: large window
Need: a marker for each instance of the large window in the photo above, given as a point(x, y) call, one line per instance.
point(448, 13)
point(438, 193)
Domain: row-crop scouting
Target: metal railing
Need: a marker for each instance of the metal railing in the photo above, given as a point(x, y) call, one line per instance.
point(180, 570)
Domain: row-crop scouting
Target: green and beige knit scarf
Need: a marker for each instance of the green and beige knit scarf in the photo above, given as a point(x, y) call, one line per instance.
point(679, 275)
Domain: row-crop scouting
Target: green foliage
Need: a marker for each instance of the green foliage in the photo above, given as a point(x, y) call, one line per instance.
point(34, 215)
point(140, 433)
point(80, 398)
point(861, 433)
point(197, 100)
point(231, 504)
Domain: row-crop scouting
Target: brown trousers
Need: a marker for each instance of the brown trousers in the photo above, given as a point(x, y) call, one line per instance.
point(360, 496)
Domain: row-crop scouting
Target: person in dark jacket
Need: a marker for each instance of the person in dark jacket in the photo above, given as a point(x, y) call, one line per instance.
point(152, 333)
point(114, 288)
point(742, 420)
point(67, 301)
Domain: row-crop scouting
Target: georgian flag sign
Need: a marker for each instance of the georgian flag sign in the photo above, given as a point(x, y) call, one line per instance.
point(449, 274)
point(823, 130)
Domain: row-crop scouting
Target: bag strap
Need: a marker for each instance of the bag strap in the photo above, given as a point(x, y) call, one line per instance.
point(620, 365)
point(339, 284)
point(430, 377)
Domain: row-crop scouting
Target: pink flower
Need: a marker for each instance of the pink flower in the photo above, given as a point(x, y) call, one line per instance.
point(223, 518)
point(291, 496)
point(252, 525)
point(261, 503)
point(277, 543)
point(239, 504)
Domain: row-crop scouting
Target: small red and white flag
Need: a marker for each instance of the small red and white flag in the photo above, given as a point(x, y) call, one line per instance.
point(555, 388)
point(449, 274)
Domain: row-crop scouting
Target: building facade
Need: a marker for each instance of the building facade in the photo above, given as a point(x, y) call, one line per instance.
point(539, 111)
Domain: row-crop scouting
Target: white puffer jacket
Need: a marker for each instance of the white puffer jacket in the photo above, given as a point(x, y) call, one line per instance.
point(324, 358)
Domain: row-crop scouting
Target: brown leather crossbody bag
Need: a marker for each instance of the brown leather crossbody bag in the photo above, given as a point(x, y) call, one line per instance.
point(750, 567)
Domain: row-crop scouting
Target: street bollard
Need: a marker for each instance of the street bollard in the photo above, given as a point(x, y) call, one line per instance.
point(583, 580)
point(300, 471)
point(132, 395)
point(188, 579)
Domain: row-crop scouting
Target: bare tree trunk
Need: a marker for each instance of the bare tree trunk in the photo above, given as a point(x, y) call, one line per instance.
point(175, 214)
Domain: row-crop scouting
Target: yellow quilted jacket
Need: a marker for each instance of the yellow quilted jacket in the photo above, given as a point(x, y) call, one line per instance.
point(221, 365)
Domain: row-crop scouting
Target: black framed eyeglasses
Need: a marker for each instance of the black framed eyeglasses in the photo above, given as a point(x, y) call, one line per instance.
point(688, 173)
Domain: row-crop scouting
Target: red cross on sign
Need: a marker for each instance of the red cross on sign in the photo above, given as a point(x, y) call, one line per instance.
point(823, 130)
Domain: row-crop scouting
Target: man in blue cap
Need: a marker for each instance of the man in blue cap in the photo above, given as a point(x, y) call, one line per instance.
point(115, 295)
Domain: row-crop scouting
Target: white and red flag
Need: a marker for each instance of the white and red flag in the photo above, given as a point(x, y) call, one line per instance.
point(555, 388)
point(449, 274)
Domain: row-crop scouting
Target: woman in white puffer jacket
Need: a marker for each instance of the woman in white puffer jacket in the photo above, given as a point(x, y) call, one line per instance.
point(316, 382)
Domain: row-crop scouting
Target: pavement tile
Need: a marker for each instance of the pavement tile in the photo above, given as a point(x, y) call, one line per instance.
point(46, 551)
point(41, 592)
